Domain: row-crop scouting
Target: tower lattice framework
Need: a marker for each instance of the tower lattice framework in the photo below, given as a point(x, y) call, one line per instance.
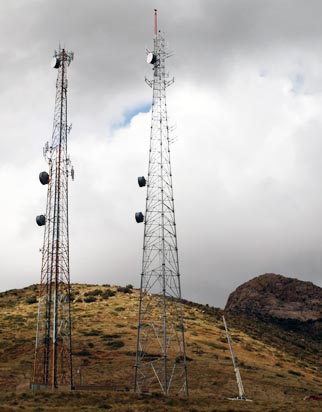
point(161, 352)
point(53, 351)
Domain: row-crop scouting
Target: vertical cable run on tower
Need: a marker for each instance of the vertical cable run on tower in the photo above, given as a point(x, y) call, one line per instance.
point(53, 351)
point(161, 351)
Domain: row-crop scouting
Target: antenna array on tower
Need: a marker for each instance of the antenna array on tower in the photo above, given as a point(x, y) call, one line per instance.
point(161, 352)
point(53, 351)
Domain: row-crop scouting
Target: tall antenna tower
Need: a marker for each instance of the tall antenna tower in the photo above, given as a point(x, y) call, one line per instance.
point(241, 392)
point(53, 352)
point(161, 352)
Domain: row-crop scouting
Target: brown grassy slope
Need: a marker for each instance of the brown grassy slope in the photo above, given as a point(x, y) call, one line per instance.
point(278, 368)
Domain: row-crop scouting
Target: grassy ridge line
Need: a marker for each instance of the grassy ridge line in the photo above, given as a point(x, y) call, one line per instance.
point(273, 366)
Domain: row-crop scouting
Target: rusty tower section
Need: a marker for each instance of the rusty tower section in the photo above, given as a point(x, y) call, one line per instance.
point(161, 353)
point(53, 351)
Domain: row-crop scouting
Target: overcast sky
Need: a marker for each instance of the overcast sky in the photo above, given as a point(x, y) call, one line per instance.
point(246, 108)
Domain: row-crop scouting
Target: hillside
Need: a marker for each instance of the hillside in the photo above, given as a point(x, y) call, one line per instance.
point(279, 366)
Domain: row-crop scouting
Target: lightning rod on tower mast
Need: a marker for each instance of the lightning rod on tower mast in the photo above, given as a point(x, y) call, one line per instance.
point(161, 350)
point(53, 349)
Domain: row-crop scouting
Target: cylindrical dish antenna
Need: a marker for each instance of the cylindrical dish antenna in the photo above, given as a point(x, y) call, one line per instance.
point(151, 58)
point(141, 181)
point(139, 217)
point(44, 178)
point(55, 63)
point(41, 220)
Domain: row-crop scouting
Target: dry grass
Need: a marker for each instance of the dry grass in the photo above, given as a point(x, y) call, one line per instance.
point(277, 372)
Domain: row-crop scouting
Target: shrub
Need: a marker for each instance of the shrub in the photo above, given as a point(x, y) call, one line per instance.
point(95, 292)
point(111, 336)
point(31, 300)
point(83, 352)
point(125, 289)
point(94, 332)
point(89, 299)
point(294, 373)
point(116, 344)
point(108, 293)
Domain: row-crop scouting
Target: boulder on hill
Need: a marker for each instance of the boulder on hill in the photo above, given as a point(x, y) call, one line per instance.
point(278, 297)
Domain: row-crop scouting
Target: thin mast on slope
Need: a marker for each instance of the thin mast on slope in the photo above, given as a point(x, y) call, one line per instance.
point(241, 396)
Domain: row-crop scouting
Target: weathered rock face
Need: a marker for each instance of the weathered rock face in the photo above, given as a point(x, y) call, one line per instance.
point(276, 296)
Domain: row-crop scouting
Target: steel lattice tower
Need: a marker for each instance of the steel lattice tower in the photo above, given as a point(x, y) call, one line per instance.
point(161, 353)
point(53, 352)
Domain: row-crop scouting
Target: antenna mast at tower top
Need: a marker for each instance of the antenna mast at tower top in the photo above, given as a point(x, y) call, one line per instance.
point(53, 351)
point(161, 352)
point(155, 22)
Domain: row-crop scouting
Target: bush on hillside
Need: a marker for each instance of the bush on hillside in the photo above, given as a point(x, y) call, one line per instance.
point(95, 292)
point(89, 299)
point(116, 344)
point(108, 293)
point(124, 289)
point(31, 300)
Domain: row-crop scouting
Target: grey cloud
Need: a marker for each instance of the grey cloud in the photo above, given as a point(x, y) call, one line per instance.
point(246, 165)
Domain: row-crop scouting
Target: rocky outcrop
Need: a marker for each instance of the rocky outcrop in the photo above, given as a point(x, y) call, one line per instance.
point(279, 297)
